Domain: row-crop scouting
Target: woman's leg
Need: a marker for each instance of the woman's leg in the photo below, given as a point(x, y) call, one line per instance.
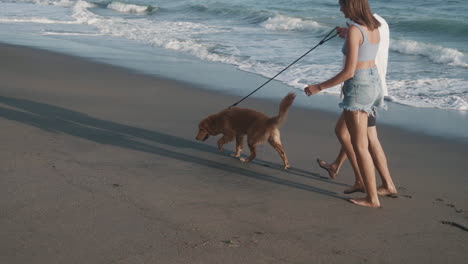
point(344, 137)
point(334, 167)
point(356, 122)
point(340, 159)
point(380, 161)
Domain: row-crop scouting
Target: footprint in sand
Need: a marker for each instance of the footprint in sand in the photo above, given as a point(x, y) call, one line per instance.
point(449, 204)
point(450, 223)
point(455, 225)
point(402, 191)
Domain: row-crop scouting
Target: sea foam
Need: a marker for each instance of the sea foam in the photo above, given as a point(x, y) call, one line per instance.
point(38, 20)
point(131, 8)
point(286, 23)
point(54, 2)
point(179, 36)
point(435, 53)
point(443, 93)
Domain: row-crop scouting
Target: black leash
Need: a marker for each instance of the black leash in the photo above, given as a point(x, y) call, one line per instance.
point(325, 39)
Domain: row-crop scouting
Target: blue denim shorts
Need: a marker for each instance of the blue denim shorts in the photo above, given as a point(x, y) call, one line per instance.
point(363, 92)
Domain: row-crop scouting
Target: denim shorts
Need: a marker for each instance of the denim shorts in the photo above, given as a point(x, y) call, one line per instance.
point(363, 92)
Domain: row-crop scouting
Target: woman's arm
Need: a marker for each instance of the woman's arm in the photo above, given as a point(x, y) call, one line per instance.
point(353, 41)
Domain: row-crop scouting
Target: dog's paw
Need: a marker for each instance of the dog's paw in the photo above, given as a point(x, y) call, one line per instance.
point(287, 167)
point(243, 160)
point(235, 155)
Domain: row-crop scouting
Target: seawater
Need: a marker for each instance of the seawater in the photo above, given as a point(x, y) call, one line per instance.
point(428, 62)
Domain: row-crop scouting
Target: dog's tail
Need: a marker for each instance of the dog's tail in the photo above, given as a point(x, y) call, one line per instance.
point(283, 109)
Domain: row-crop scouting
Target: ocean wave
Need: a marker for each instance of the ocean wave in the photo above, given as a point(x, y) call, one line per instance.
point(37, 20)
point(53, 2)
point(131, 8)
point(179, 36)
point(82, 14)
point(286, 23)
point(444, 93)
point(68, 33)
point(182, 36)
point(223, 10)
point(437, 54)
point(436, 25)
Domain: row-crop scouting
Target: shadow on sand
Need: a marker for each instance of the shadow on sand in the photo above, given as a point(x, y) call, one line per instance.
point(60, 120)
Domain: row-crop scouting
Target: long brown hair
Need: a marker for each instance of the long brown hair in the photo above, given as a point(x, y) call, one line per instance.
point(360, 12)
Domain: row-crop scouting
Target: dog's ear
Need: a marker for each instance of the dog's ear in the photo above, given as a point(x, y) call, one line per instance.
point(207, 124)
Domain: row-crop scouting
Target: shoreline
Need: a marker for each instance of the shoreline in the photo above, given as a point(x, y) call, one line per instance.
point(100, 165)
point(227, 79)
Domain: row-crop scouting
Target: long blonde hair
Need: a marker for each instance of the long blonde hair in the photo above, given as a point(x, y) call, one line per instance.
point(360, 12)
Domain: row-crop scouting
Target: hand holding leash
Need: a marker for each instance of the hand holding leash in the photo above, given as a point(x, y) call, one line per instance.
point(312, 89)
point(325, 39)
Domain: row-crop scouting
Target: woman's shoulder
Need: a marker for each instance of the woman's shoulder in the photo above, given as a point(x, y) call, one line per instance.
point(354, 30)
point(355, 35)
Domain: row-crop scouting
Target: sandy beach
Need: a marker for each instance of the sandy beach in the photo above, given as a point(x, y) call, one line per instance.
point(100, 164)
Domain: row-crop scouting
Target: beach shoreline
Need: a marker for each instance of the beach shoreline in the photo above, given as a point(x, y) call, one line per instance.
point(227, 79)
point(100, 165)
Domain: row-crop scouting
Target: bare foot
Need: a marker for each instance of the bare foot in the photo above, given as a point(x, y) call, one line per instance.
point(332, 173)
point(384, 191)
point(244, 160)
point(365, 202)
point(355, 188)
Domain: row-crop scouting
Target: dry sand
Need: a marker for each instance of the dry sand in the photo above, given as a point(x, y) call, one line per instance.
point(99, 165)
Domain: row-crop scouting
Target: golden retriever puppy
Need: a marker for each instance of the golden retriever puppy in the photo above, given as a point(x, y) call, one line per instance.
point(235, 123)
